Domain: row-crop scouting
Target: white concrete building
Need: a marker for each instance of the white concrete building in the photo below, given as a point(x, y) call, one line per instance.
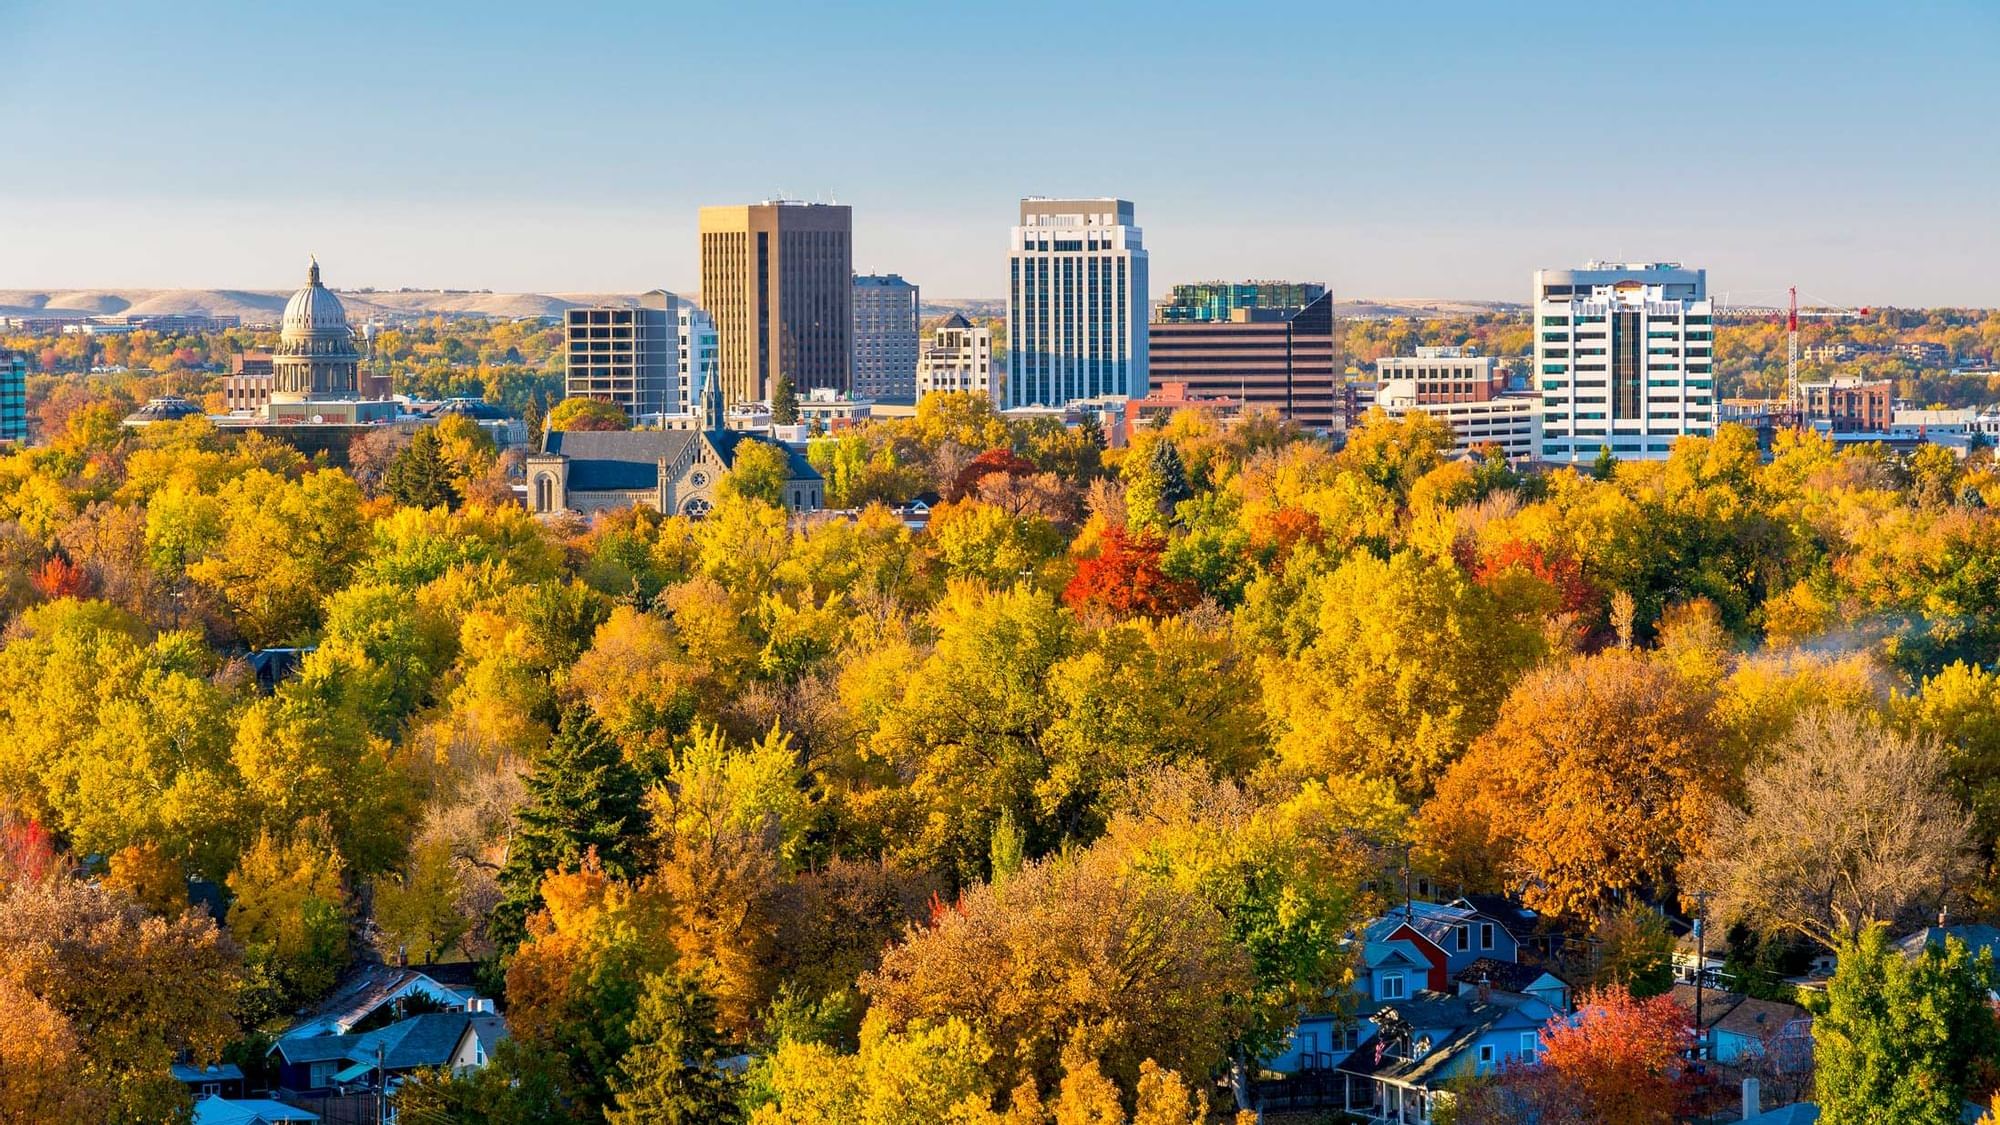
point(1623, 358)
point(695, 336)
point(1077, 303)
point(1468, 392)
point(959, 358)
point(885, 337)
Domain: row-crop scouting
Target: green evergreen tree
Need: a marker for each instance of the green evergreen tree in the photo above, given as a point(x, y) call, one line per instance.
point(1006, 848)
point(1898, 1038)
point(1172, 475)
point(1605, 465)
point(420, 477)
point(583, 796)
point(673, 1073)
point(784, 402)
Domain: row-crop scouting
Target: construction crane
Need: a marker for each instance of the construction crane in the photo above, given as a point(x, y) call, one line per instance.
point(1793, 405)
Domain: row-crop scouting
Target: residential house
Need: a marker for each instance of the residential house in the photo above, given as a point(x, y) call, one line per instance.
point(435, 1039)
point(1739, 1029)
point(223, 1080)
point(370, 989)
point(1440, 993)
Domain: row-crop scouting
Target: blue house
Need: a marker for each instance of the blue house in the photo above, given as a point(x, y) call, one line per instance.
point(1439, 993)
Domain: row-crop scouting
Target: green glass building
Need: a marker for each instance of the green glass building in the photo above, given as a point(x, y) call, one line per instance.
point(13, 397)
point(1219, 300)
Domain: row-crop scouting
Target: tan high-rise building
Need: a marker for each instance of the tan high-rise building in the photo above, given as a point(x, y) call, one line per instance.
point(778, 279)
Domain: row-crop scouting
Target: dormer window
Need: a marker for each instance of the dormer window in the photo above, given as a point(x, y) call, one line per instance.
point(1392, 986)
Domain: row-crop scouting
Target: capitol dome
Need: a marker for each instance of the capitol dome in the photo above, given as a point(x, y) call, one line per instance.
point(315, 358)
point(314, 309)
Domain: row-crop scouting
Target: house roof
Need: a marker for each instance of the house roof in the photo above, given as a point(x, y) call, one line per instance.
point(367, 989)
point(1975, 937)
point(224, 1072)
point(1375, 954)
point(727, 442)
point(1507, 976)
point(1461, 1019)
point(1715, 1003)
point(489, 1030)
point(426, 1040)
point(1435, 922)
point(1755, 1019)
point(247, 1111)
point(1517, 918)
point(1798, 1113)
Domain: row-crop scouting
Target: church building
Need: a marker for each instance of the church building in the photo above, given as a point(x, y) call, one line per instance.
point(678, 472)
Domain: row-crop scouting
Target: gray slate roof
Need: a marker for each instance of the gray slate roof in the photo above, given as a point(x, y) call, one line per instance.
point(420, 1041)
point(629, 460)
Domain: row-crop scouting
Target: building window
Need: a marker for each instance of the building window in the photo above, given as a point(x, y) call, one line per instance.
point(1486, 935)
point(1530, 1046)
point(1485, 1056)
point(1464, 938)
point(1392, 986)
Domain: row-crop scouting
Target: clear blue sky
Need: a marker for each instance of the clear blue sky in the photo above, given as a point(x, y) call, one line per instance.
point(1390, 149)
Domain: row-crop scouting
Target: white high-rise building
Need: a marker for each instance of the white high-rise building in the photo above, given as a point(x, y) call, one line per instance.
point(959, 358)
point(1623, 359)
point(697, 353)
point(1077, 304)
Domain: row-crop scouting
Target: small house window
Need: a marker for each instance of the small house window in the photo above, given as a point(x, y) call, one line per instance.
point(1464, 938)
point(1392, 986)
point(1486, 1055)
point(1530, 1046)
point(1485, 935)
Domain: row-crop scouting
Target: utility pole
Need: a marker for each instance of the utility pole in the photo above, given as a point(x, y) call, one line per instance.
point(1700, 971)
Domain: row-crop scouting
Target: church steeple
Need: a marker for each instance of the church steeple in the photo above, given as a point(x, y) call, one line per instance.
point(712, 417)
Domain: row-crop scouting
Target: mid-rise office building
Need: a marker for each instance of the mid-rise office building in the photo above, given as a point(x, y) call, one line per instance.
point(778, 277)
point(1849, 406)
point(885, 338)
point(627, 356)
point(1623, 359)
point(1076, 303)
point(959, 358)
point(1470, 393)
point(13, 397)
point(697, 347)
point(250, 381)
point(1268, 345)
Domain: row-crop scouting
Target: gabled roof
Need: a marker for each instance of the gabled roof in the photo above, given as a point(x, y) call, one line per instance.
point(189, 1075)
point(1715, 1003)
point(1756, 1019)
point(617, 460)
point(370, 987)
point(247, 1111)
point(420, 1041)
point(1460, 1019)
point(1516, 918)
point(1506, 976)
point(727, 442)
point(1376, 954)
point(1436, 923)
point(1975, 937)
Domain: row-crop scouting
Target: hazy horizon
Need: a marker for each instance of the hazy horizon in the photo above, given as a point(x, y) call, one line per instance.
point(504, 147)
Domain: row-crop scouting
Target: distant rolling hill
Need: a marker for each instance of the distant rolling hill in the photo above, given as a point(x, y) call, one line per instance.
point(262, 306)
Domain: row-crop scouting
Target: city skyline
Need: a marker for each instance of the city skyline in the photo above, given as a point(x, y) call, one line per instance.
point(1385, 157)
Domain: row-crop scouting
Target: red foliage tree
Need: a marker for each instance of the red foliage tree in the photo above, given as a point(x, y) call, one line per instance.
point(1125, 579)
point(59, 578)
point(1579, 594)
point(986, 464)
point(27, 852)
point(1617, 1061)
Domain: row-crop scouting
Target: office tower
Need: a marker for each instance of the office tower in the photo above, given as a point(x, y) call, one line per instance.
point(697, 348)
point(13, 397)
point(959, 358)
point(778, 278)
point(626, 356)
point(1268, 344)
point(885, 338)
point(1076, 303)
point(1623, 359)
point(1469, 392)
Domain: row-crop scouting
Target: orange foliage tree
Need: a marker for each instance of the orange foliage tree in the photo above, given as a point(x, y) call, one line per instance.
point(1617, 1061)
point(1125, 579)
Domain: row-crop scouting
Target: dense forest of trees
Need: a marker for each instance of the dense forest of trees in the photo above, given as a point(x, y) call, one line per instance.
point(1054, 810)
